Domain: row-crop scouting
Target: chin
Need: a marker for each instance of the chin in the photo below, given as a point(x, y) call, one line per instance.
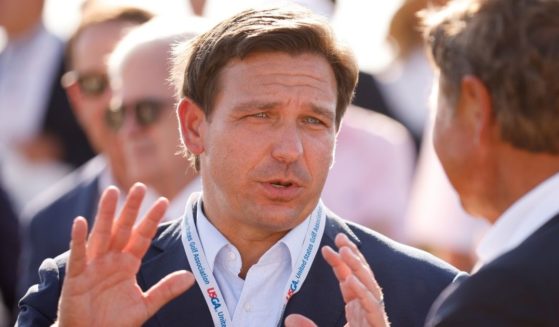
point(279, 218)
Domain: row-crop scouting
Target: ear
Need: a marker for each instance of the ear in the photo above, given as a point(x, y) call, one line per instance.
point(192, 122)
point(475, 101)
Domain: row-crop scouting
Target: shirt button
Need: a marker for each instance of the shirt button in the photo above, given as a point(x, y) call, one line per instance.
point(247, 307)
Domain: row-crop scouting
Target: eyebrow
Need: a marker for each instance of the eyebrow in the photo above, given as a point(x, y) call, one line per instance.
point(324, 112)
point(258, 105)
point(252, 105)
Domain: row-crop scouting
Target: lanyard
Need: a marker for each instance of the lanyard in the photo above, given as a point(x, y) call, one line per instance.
point(206, 281)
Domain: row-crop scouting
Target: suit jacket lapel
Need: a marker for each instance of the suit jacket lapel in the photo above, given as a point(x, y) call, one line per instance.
point(164, 257)
point(320, 298)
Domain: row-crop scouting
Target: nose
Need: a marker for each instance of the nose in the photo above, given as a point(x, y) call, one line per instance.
point(129, 125)
point(288, 147)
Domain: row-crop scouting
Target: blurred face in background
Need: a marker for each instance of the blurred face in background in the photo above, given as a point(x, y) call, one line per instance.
point(146, 120)
point(88, 86)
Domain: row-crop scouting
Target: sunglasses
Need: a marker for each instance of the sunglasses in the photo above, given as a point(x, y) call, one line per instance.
point(146, 112)
point(90, 84)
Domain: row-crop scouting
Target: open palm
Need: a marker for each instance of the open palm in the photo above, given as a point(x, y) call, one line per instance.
point(100, 287)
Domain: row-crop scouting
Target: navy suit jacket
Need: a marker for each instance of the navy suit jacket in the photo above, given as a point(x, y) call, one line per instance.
point(50, 218)
point(411, 280)
point(519, 288)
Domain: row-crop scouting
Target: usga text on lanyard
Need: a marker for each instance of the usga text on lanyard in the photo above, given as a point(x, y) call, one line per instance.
point(205, 279)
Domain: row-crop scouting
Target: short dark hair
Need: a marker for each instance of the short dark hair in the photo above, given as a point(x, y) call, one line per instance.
point(96, 14)
point(512, 46)
point(293, 31)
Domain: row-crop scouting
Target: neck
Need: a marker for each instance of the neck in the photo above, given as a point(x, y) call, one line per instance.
point(252, 247)
point(119, 173)
point(251, 242)
point(518, 173)
point(23, 25)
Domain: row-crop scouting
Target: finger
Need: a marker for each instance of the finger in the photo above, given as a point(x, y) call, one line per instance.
point(100, 237)
point(367, 299)
point(340, 268)
point(365, 304)
point(78, 258)
point(122, 228)
point(297, 320)
point(342, 240)
point(167, 289)
point(361, 270)
point(142, 235)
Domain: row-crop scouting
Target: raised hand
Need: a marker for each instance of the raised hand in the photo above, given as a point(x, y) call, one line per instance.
point(362, 295)
point(100, 287)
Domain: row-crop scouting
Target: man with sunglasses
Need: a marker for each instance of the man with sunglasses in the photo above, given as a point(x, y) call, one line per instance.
point(262, 95)
point(50, 216)
point(142, 112)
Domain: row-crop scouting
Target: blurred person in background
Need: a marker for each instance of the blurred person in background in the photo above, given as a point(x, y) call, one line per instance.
point(51, 214)
point(406, 82)
point(142, 110)
point(40, 139)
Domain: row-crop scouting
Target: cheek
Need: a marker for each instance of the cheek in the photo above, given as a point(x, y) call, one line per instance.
point(319, 154)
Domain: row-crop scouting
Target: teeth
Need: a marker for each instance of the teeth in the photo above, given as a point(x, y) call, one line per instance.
point(278, 185)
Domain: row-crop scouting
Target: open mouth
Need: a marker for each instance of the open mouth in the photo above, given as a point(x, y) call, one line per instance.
point(279, 184)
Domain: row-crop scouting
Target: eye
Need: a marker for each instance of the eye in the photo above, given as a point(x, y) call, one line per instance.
point(260, 115)
point(312, 121)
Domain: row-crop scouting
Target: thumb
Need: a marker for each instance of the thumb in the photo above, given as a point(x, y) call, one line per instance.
point(297, 320)
point(167, 289)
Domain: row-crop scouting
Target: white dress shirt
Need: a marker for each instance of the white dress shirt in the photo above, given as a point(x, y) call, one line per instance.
point(257, 300)
point(520, 221)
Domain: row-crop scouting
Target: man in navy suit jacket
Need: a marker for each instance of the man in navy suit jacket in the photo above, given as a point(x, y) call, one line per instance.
point(497, 136)
point(262, 95)
point(499, 80)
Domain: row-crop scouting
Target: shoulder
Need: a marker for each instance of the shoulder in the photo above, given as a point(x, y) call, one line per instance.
point(378, 247)
point(70, 194)
point(386, 251)
point(39, 306)
point(523, 278)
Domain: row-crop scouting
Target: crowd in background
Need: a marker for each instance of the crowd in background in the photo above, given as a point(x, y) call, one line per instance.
point(57, 130)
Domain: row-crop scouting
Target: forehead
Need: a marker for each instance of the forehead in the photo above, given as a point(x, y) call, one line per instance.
point(277, 74)
point(145, 72)
point(96, 42)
